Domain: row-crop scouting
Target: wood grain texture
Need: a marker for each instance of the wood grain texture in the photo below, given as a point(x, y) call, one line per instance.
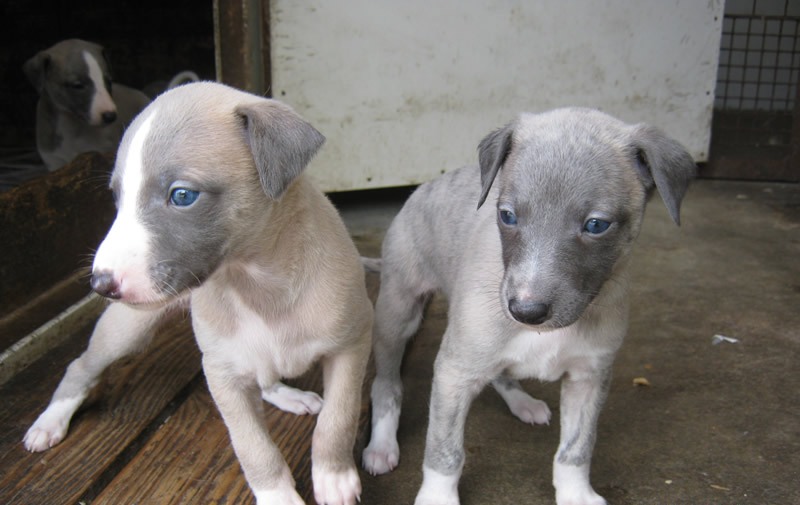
point(137, 391)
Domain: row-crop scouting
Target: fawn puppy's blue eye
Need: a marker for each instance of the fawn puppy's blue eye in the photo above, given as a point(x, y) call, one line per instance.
point(183, 197)
point(596, 226)
point(508, 217)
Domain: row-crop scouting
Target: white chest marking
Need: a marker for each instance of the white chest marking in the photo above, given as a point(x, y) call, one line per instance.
point(548, 355)
point(536, 355)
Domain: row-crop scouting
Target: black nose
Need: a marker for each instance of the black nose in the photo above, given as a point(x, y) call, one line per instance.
point(528, 311)
point(104, 284)
point(109, 117)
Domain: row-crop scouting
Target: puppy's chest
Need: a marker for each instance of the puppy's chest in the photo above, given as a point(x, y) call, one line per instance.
point(548, 355)
point(250, 345)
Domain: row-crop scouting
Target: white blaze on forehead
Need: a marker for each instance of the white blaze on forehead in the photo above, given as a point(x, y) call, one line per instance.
point(101, 100)
point(125, 250)
point(133, 164)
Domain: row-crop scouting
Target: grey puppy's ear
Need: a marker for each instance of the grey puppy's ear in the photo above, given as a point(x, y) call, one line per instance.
point(492, 153)
point(665, 164)
point(281, 141)
point(35, 69)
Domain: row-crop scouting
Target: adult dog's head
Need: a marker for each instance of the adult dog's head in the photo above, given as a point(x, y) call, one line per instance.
point(74, 77)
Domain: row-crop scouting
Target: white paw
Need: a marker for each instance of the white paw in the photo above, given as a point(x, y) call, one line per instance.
point(381, 456)
point(39, 439)
point(292, 400)
point(437, 488)
point(336, 488)
point(429, 499)
point(284, 495)
point(51, 426)
point(573, 487)
point(529, 410)
point(585, 497)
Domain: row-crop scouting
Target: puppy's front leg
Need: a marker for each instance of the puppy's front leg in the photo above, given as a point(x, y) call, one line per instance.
point(120, 331)
point(451, 396)
point(582, 397)
point(240, 404)
point(333, 469)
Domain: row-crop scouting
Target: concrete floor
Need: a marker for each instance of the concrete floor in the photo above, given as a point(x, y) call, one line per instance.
point(719, 424)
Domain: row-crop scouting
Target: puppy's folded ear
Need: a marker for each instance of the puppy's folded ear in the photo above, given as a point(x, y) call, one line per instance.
point(282, 143)
point(492, 153)
point(36, 69)
point(665, 164)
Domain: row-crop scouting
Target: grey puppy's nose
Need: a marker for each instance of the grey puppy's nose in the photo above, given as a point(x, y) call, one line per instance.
point(528, 311)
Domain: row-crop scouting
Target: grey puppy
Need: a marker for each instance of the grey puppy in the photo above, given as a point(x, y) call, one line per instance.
point(537, 282)
point(213, 211)
point(79, 109)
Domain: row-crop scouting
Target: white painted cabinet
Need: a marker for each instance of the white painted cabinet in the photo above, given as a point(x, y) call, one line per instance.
point(404, 90)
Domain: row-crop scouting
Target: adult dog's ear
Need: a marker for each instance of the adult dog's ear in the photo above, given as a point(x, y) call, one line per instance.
point(663, 163)
point(36, 69)
point(492, 153)
point(107, 59)
point(281, 141)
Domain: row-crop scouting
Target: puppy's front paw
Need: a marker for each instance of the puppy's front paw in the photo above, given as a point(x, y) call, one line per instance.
point(436, 500)
point(284, 495)
point(573, 487)
point(39, 439)
point(584, 497)
point(437, 488)
point(336, 488)
point(50, 428)
point(381, 456)
point(295, 401)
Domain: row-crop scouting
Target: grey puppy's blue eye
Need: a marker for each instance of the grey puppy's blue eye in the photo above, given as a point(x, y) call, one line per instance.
point(508, 217)
point(183, 197)
point(596, 226)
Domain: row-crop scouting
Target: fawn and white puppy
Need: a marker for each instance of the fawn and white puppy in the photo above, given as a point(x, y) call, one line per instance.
point(213, 211)
point(537, 282)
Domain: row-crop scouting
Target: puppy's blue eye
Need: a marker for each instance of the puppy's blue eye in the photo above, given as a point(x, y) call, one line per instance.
point(182, 197)
point(508, 217)
point(596, 226)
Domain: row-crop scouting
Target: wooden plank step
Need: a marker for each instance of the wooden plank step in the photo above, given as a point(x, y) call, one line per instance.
point(137, 392)
point(190, 459)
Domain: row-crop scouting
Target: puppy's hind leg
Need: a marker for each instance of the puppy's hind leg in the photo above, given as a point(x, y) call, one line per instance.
point(120, 331)
point(292, 400)
point(398, 313)
point(525, 407)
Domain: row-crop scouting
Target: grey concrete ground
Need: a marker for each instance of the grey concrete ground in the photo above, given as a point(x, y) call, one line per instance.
point(719, 424)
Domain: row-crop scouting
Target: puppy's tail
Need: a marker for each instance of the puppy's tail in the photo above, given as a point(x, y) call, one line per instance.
point(182, 78)
point(372, 264)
